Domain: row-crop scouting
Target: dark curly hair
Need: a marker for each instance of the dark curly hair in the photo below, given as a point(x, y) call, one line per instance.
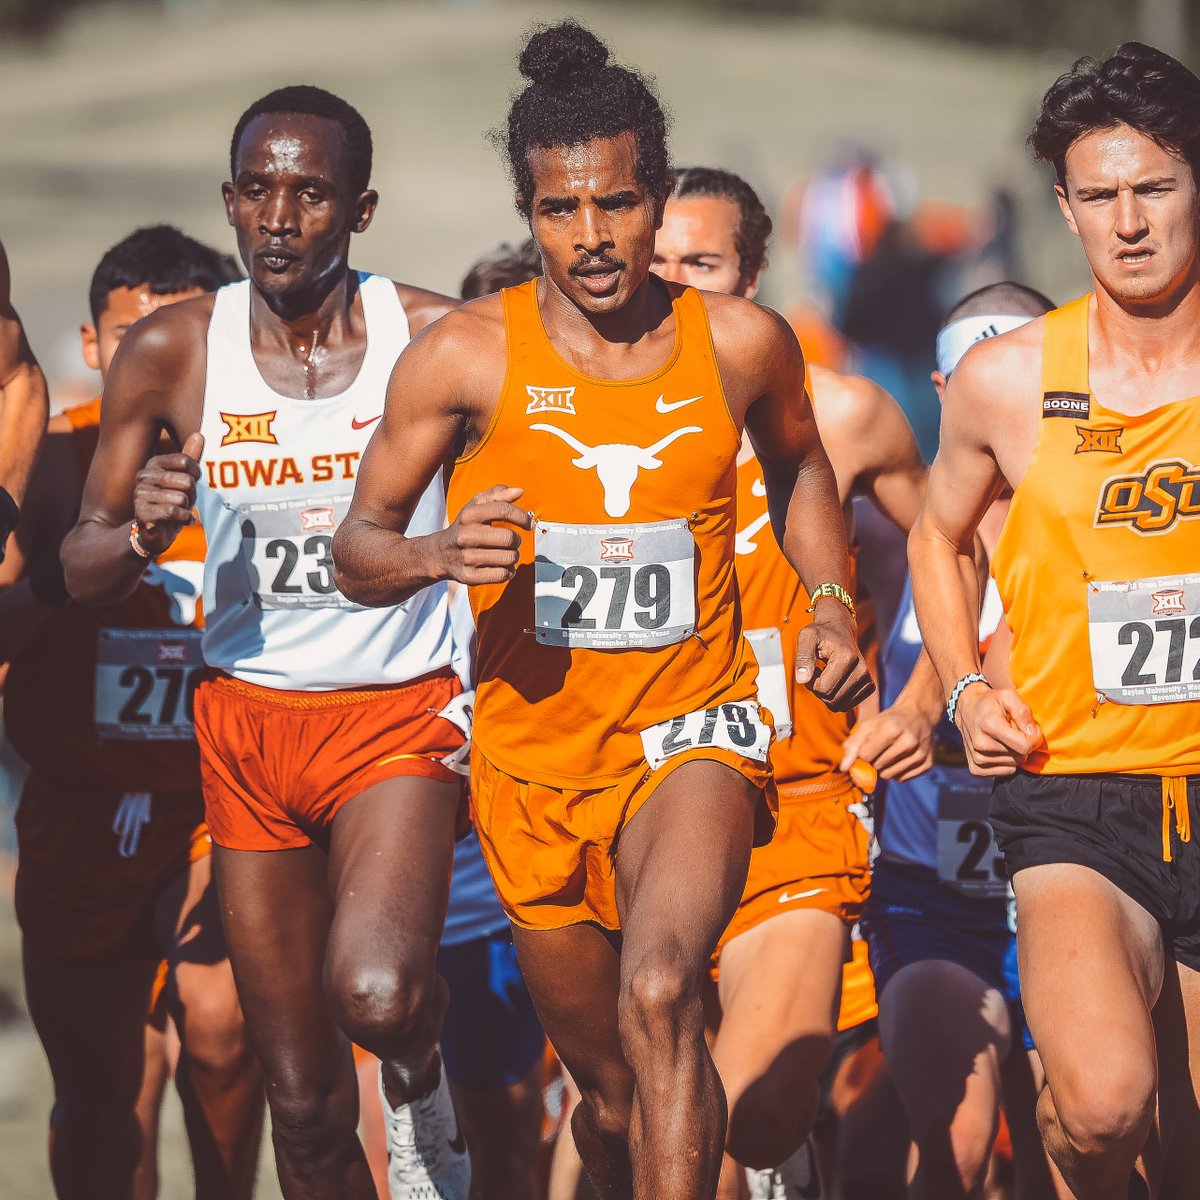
point(754, 226)
point(1136, 85)
point(574, 95)
point(312, 101)
point(164, 258)
point(504, 267)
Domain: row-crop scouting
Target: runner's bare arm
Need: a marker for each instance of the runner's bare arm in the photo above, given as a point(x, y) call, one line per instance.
point(23, 402)
point(892, 474)
point(802, 496)
point(31, 575)
point(157, 373)
point(997, 727)
point(428, 414)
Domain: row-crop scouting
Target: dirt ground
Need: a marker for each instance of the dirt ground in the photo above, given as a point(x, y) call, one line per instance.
point(125, 118)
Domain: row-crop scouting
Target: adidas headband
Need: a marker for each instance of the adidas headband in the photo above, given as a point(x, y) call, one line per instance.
point(959, 336)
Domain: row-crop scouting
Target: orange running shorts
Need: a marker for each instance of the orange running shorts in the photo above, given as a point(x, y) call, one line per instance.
point(278, 765)
point(551, 851)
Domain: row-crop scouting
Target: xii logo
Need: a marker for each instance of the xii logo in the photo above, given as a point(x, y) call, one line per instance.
point(249, 427)
point(549, 400)
point(1103, 441)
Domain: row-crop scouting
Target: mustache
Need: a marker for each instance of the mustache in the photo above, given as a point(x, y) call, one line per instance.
point(590, 263)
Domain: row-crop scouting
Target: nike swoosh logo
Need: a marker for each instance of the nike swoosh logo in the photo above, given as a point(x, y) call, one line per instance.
point(355, 423)
point(458, 1143)
point(661, 406)
point(784, 897)
point(758, 488)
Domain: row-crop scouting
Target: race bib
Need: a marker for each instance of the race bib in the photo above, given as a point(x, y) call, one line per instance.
point(737, 727)
point(1145, 639)
point(145, 679)
point(772, 677)
point(287, 546)
point(968, 858)
point(614, 587)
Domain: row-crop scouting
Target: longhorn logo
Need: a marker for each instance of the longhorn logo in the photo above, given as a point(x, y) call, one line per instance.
point(616, 464)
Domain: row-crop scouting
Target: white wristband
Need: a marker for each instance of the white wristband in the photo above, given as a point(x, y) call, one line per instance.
point(959, 687)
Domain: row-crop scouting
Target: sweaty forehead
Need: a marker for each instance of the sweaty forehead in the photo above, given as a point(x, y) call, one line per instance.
point(700, 224)
point(291, 144)
point(598, 167)
point(125, 305)
point(1119, 152)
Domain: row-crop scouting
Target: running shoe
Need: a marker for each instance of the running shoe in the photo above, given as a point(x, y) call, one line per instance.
point(427, 1152)
point(796, 1179)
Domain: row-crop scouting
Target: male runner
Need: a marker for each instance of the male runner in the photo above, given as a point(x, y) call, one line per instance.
point(113, 873)
point(781, 958)
point(23, 408)
point(1090, 415)
point(622, 756)
point(937, 920)
point(329, 734)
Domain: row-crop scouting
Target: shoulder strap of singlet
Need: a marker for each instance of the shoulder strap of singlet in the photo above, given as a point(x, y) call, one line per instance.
point(1065, 355)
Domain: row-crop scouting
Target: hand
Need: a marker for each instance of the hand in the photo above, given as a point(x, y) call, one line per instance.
point(897, 742)
point(828, 660)
point(997, 727)
point(477, 548)
point(164, 495)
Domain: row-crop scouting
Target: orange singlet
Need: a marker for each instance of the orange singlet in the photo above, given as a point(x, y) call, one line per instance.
point(818, 858)
point(630, 616)
point(1099, 570)
point(615, 654)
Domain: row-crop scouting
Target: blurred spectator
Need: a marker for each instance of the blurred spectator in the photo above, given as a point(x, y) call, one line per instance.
point(503, 267)
point(892, 316)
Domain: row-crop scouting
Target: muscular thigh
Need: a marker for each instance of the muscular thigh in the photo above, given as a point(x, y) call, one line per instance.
point(1091, 963)
point(681, 862)
point(945, 1032)
point(276, 910)
point(391, 851)
point(779, 988)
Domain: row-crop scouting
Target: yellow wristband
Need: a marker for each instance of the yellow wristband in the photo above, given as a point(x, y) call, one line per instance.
point(837, 592)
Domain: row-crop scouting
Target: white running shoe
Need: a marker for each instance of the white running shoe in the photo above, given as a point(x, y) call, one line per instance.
point(796, 1179)
point(427, 1152)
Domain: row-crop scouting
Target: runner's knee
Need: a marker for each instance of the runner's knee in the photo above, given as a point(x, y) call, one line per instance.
point(655, 1001)
point(214, 1031)
point(381, 1005)
point(1108, 1106)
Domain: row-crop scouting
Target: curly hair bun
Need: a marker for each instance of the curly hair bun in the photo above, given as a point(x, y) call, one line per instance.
point(554, 53)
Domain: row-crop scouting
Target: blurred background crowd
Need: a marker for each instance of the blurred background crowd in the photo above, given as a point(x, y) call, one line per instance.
point(886, 137)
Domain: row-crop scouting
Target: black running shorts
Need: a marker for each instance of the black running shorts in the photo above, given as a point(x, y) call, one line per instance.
point(1113, 824)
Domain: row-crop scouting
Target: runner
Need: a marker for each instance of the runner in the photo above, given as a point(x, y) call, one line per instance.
point(619, 775)
point(23, 409)
point(937, 919)
point(113, 873)
point(781, 958)
point(1090, 416)
point(328, 734)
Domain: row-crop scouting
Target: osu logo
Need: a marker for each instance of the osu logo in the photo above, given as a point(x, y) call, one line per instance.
point(249, 427)
point(1152, 501)
point(1103, 441)
point(549, 399)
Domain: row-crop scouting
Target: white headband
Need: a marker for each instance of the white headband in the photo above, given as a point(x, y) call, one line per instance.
point(959, 336)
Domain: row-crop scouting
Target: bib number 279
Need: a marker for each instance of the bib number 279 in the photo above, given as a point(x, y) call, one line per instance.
point(737, 727)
